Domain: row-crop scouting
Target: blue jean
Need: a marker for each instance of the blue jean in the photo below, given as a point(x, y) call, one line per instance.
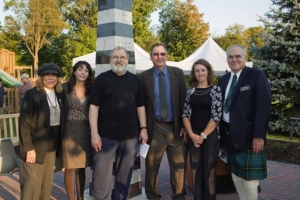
point(112, 168)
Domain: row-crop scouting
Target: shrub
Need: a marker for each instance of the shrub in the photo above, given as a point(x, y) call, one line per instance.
point(280, 146)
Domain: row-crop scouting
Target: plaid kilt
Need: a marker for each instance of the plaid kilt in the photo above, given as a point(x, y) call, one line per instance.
point(248, 165)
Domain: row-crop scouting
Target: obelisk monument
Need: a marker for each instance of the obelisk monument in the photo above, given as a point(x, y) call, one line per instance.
point(114, 28)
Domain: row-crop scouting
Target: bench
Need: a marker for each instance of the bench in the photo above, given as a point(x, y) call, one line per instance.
point(9, 127)
point(295, 121)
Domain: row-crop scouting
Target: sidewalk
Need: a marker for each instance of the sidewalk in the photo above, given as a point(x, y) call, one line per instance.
point(283, 183)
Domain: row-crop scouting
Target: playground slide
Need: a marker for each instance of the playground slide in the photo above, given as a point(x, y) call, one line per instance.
point(7, 80)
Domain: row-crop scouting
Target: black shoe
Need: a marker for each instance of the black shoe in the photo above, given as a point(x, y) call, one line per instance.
point(258, 188)
point(154, 197)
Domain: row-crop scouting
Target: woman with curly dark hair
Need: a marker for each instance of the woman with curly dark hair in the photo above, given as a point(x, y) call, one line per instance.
point(76, 140)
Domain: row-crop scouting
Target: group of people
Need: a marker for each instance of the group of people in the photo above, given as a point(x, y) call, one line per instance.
point(101, 123)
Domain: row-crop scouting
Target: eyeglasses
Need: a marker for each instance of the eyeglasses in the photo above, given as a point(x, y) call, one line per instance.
point(161, 54)
point(237, 57)
point(122, 58)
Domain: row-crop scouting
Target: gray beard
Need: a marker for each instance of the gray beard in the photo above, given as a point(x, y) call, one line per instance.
point(118, 70)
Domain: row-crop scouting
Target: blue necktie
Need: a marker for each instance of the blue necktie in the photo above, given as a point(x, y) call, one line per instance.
point(230, 93)
point(163, 96)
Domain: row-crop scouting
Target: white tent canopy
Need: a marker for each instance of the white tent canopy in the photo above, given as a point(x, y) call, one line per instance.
point(90, 58)
point(142, 59)
point(209, 50)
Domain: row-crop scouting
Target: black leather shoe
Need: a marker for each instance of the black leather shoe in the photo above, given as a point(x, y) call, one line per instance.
point(258, 188)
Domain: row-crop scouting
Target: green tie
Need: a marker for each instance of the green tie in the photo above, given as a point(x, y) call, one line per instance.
point(230, 93)
point(163, 96)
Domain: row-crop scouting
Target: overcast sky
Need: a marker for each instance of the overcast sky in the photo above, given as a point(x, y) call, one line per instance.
point(222, 13)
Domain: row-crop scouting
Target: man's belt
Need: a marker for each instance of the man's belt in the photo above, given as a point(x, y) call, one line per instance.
point(164, 123)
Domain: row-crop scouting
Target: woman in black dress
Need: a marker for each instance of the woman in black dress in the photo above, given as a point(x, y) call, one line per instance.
point(201, 114)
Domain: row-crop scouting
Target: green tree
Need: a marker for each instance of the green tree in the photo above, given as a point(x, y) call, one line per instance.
point(79, 12)
point(237, 34)
point(56, 52)
point(141, 14)
point(11, 38)
point(182, 28)
point(280, 58)
point(234, 35)
point(2, 39)
point(80, 38)
point(255, 36)
point(39, 20)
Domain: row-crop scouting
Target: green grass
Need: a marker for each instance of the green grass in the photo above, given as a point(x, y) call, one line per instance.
point(283, 137)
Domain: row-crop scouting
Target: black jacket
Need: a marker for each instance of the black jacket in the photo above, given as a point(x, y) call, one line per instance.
point(34, 123)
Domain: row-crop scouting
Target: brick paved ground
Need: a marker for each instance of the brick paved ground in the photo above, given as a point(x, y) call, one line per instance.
point(283, 183)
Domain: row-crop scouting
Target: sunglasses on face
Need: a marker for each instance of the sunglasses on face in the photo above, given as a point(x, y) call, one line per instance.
point(161, 54)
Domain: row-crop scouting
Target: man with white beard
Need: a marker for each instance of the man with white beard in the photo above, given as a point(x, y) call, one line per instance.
point(118, 124)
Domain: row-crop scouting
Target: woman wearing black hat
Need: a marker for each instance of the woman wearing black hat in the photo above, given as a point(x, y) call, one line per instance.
point(41, 119)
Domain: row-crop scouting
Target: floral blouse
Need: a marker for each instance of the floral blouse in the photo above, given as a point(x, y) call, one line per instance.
point(216, 103)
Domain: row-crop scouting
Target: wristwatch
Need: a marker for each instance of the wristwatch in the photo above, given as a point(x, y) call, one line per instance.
point(203, 135)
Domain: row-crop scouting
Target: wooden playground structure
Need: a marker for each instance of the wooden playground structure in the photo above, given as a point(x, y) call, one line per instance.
point(9, 125)
point(8, 65)
point(7, 61)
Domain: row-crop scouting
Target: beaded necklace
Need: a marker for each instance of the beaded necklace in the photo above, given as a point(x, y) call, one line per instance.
point(200, 92)
point(55, 107)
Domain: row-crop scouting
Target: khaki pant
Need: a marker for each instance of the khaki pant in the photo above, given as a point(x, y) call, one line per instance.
point(36, 179)
point(164, 141)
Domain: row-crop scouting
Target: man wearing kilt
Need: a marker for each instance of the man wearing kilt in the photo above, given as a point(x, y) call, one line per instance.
point(246, 112)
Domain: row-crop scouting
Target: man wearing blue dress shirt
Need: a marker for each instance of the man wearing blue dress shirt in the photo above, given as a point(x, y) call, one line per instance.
point(164, 89)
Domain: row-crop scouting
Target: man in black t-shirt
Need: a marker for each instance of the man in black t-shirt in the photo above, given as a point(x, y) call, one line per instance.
point(117, 107)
